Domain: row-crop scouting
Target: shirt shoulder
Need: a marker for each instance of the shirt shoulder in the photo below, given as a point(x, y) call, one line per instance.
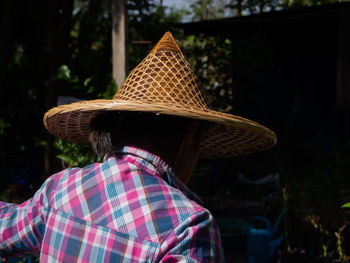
point(121, 195)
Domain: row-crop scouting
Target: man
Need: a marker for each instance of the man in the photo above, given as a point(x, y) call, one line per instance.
point(134, 206)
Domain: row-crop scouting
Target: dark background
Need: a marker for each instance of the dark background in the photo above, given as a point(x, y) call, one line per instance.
point(287, 69)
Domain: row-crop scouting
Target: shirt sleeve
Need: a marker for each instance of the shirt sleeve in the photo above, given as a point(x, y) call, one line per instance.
point(197, 239)
point(21, 228)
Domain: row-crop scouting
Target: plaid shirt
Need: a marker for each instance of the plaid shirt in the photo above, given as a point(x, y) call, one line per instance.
point(130, 208)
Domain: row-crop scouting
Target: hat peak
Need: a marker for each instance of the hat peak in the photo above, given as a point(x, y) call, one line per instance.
point(167, 42)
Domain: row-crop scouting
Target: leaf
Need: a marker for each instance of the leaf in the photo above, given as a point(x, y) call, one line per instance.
point(87, 81)
point(63, 72)
point(346, 205)
point(66, 159)
point(3, 126)
point(90, 90)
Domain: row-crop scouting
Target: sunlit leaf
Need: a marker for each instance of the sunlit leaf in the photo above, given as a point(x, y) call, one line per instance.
point(347, 205)
point(63, 72)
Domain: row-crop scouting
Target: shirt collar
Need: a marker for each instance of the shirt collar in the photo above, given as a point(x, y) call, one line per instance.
point(160, 167)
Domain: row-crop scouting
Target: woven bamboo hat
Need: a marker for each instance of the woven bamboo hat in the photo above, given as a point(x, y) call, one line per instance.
point(164, 83)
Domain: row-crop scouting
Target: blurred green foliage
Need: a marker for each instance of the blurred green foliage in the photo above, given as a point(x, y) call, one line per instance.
point(208, 56)
point(74, 155)
point(315, 192)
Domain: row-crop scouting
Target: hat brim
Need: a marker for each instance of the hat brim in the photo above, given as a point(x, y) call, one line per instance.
point(228, 136)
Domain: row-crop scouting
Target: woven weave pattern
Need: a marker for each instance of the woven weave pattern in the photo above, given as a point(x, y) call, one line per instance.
point(164, 76)
point(237, 142)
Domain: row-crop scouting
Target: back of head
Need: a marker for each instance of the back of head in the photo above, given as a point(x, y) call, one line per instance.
point(154, 132)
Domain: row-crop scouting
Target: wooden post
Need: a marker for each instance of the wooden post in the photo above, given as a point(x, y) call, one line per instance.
point(343, 78)
point(119, 41)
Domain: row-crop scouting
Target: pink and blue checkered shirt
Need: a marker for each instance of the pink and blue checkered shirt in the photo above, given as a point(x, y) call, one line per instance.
point(130, 208)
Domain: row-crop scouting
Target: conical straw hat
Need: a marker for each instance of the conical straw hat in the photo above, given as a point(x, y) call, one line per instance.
point(164, 83)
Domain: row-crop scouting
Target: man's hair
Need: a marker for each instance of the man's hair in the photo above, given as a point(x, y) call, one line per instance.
point(111, 129)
